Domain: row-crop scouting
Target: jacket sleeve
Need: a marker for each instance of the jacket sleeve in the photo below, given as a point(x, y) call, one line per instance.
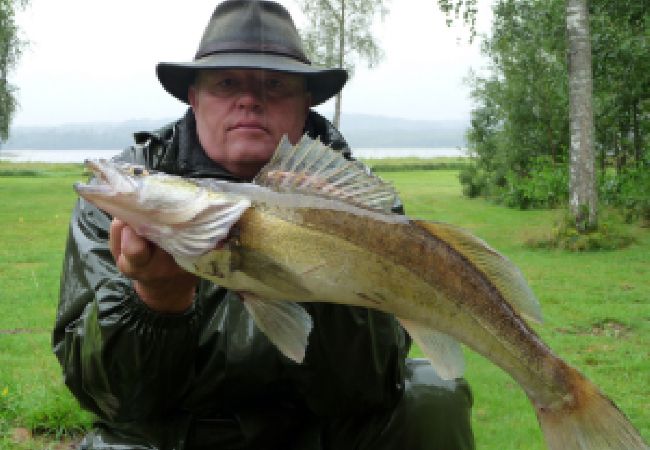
point(120, 359)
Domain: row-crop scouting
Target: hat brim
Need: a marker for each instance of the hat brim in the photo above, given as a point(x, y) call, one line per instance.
point(322, 83)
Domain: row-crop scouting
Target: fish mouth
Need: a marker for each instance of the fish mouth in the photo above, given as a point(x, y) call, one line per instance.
point(105, 180)
point(93, 190)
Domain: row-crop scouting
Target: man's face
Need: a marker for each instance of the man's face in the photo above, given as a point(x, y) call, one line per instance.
point(241, 115)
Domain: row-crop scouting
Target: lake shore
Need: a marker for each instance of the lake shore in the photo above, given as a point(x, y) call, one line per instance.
point(78, 156)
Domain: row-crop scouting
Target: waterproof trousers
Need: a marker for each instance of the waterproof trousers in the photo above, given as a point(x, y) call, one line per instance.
point(433, 414)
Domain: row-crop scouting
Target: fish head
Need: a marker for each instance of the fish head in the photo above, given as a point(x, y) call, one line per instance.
point(113, 187)
point(182, 216)
point(110, 179)
point(136, 194)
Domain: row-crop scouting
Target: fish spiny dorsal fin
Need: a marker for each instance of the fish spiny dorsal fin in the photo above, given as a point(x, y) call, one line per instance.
point(312, 168)
point(505, 276)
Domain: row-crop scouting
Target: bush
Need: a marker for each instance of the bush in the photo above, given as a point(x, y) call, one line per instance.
point(629, 191)
point(543, 185)
point(473, 180)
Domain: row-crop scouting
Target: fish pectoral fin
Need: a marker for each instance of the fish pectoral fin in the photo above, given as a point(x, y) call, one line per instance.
point(205, 230)
point(286, 324)
point(267, 271)
point(442, 350)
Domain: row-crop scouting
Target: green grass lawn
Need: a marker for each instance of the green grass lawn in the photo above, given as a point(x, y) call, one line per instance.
point(596, 305)
point(34, 215)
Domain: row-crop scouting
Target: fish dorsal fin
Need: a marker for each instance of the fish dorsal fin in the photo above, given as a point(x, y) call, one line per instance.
point(442, 350)
point(312, 168)
point(504, 275)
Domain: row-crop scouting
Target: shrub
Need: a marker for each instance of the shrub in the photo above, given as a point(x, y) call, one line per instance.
point(473, 180)
point(629, 191)
point(544, 185)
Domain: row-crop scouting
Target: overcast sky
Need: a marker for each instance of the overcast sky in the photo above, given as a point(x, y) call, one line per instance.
point(90, 60)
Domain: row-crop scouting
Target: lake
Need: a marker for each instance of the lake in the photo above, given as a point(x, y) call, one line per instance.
point(77, 156)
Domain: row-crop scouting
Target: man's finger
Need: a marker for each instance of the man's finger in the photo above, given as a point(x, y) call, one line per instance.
point(137, 250)
point(115, 238)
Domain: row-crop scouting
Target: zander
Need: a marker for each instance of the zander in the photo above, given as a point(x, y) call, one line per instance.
point(315, 227)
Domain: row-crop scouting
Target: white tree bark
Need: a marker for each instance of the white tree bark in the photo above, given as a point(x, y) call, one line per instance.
point(583, 197)
point(337, 103)
point(336, 120)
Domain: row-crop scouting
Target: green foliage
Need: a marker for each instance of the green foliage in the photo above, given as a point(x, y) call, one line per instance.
point(474, 180)
point(407, 164)
point(521, 118)
point(457, 9)
point(621, 65)
point(630, 191)
point(522, 107)
point(339, 33)
point(520, 126)
point(10, 49)
point(544, 186)
point(340, 30)
point(20, 173)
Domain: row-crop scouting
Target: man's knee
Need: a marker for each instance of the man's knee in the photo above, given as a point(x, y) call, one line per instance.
point(435, 413)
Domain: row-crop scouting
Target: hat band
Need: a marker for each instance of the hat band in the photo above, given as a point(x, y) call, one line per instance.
point(245, 47)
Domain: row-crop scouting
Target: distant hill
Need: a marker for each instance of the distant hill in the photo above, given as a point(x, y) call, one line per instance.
point(79, 136)
point(360, 130)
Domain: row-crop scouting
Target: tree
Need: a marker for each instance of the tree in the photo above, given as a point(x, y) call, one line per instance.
point(621, 71)
point(339, 32)
point(583, 196)
point(520, 120)
point(522, 107)
point(465, 8)
point(10, 48)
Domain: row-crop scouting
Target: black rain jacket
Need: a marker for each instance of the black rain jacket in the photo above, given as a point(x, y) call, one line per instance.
point(175, 381)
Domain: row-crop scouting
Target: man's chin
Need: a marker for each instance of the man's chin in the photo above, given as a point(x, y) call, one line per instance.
point(251, 151)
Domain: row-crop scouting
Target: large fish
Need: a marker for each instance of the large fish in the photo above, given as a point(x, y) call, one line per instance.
point(313, 226)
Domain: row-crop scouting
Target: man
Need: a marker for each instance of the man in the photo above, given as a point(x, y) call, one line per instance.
point(168, 361)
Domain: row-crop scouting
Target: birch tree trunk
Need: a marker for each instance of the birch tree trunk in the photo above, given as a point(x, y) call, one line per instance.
point(337, 103)
point(339, 32)
point(583, 197)
point(336, 121)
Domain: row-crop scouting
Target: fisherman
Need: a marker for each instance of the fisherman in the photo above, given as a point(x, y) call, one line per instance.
point(167, 361)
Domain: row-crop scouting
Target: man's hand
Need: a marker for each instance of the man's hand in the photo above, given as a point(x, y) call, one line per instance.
point(157, 279)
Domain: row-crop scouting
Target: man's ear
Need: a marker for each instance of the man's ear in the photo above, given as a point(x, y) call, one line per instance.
point(191, 96)
point(307, 104)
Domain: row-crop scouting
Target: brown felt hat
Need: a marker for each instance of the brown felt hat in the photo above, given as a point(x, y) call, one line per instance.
point(251, 34)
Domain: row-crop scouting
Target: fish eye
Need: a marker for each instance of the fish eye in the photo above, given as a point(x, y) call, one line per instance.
point(139, 171)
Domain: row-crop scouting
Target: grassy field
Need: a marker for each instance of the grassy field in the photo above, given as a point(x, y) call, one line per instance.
point(596, 305)
point(34, 215)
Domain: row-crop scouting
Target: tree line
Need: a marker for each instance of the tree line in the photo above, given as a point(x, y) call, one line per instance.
point(520, 134)
point(10, 49)
point(531, 130)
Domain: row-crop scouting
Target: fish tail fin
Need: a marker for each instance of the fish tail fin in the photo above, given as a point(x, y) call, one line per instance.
point(589, 421)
